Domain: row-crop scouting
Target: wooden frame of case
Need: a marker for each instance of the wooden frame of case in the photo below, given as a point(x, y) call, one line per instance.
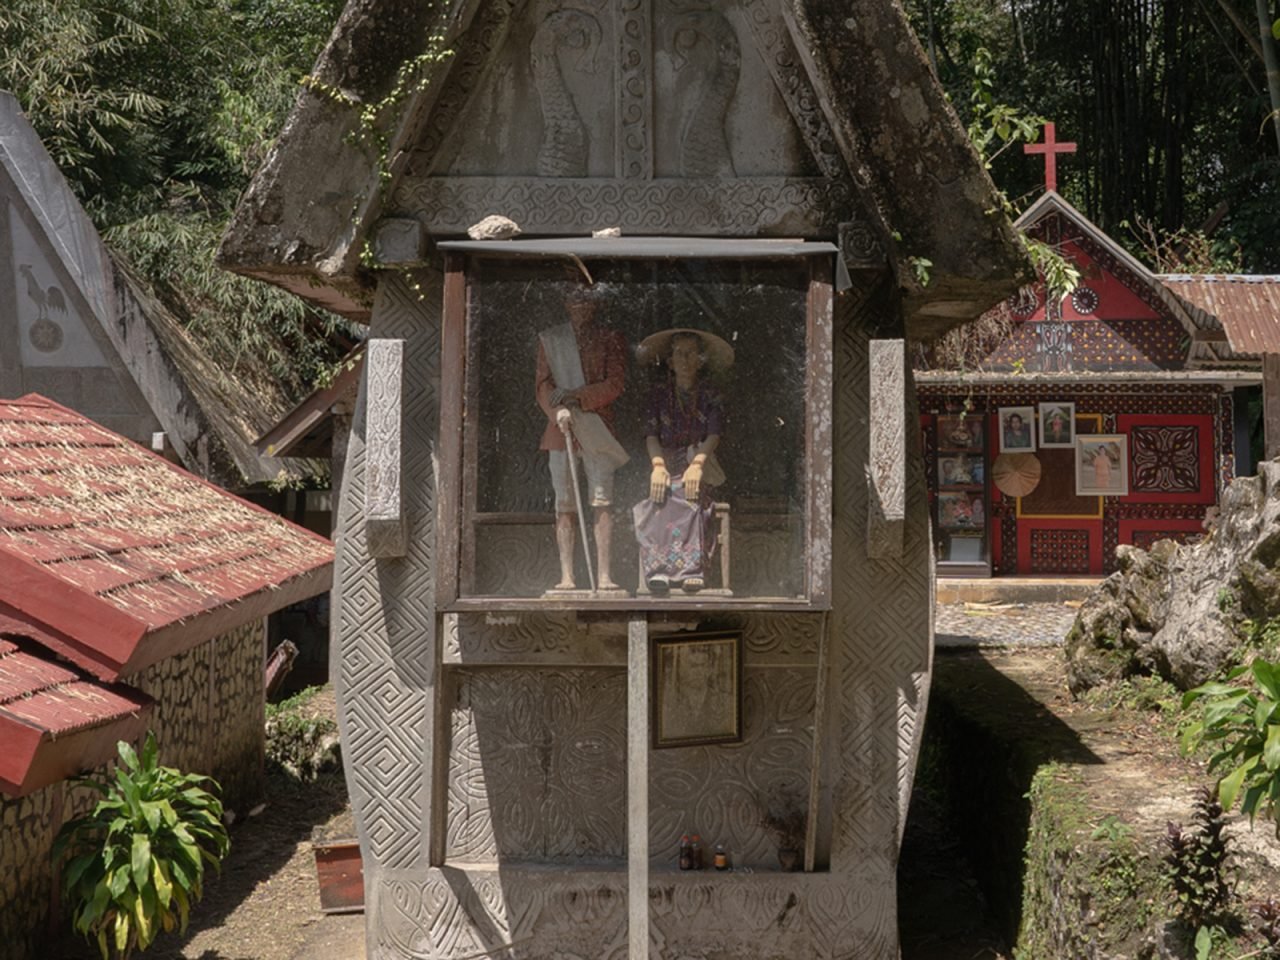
point(455, 527)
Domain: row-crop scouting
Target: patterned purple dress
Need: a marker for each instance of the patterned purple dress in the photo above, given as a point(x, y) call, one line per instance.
point(675, 535)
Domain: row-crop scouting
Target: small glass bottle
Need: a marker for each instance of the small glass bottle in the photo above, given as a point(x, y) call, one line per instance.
point(685, 860)
point(720, 859)
point(695, 851)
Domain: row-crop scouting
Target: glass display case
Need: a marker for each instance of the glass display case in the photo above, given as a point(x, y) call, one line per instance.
point(690, 391)
point(961, 500)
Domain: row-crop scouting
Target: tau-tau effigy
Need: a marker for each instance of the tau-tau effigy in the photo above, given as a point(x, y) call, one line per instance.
point(634, 563)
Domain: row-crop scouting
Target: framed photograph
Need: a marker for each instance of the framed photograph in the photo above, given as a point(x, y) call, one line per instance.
point(1057, 424)
point(1017, 429)
point(959, 469)
point(961, 511)
point(697, 689)
point(1102, 465)
point(960, 433)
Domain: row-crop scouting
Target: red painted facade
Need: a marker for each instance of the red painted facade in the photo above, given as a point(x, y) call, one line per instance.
point(1128, 355)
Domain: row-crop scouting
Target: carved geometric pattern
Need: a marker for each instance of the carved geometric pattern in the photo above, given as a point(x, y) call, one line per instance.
point(785, 64)
point(385, 608)
point(635, 92)
point(536, 766)
point(881, 627)
point(547, 639)
point(717, 792)
point(1226, 451)
point(1165, 459)
point(1059, 551)
point(761, 206)
point(452, 913)
point(887, 456)
point(470, 56)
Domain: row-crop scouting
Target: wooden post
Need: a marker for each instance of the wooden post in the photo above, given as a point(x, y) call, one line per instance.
point(638, 788)
point(1271, 403)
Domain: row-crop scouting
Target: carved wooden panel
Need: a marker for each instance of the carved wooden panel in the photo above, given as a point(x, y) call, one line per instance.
point(720, 792)
point(450, 913)
point(744, 207)
point(887, 464)
point(536, 766)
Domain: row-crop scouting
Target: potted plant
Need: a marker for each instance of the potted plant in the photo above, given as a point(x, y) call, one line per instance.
point(783, 816)
point(137, 861)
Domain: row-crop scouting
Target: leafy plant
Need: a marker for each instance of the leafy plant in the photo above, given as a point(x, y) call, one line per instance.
point(302, 742)
point(1243, 724)
point(137, 861)
point(1198, 864)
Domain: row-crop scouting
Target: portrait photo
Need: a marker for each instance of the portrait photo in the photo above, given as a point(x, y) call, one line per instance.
point(960, 511)
point(1017, 429)
point(959, 469)
point(1102, 465)
point(697, 689)
point(1057, 424)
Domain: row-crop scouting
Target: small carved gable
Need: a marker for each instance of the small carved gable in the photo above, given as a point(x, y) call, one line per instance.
point(596, 90)
point(1120, 317)
point(703, 110)
point(728, 118)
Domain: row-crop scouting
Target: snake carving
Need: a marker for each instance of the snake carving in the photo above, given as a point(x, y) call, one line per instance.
point(563, 36)
point(704, 146)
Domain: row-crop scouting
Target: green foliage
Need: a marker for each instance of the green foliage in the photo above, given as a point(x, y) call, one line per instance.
point(137, 861)
point(1241, 722)
point(377, 118)
point(1198, 865)
point(158, 113)
point(1164, 99)
point(994, 127)
point(300, 741)
point(920, 269)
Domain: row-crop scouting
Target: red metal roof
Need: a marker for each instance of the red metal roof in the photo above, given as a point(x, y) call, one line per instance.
point(55, 721)
point(123, 559)
point(1248, 306)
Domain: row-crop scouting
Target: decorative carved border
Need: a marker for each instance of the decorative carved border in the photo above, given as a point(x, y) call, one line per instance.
point(635, 90)
point(760, 206)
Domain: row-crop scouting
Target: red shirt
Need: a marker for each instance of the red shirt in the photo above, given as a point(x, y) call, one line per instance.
point(604, 366)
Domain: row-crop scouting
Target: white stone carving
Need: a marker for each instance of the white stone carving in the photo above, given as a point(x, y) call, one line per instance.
point(384, 513)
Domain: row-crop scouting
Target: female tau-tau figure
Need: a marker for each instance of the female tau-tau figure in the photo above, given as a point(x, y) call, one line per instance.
point(684, 422)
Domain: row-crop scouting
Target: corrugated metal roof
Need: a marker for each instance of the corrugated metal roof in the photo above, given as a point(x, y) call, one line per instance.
point(110, 546)
point(1247, 306)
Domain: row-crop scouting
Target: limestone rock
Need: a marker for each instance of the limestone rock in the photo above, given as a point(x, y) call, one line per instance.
point(494, 227)
point(1176, 611)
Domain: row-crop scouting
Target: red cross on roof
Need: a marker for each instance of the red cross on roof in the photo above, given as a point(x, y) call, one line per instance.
point(1050, 148)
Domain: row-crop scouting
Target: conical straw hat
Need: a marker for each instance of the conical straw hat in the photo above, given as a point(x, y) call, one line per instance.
point(1016, 474)
point(656, 348)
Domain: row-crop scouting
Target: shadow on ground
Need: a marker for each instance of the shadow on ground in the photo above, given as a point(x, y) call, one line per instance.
point(960, 876)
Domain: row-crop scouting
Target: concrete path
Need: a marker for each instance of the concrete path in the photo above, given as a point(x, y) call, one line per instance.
point(1003, 624)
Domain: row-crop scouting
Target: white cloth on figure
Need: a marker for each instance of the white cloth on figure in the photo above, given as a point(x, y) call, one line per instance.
point(595, 439)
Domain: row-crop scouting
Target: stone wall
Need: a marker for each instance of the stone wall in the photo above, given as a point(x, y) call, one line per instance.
point(208, 719)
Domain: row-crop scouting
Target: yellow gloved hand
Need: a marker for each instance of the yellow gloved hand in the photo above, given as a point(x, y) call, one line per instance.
point(659, 480)
point(693, 478)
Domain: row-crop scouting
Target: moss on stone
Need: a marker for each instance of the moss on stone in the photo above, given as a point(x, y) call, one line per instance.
point(1090, 889)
